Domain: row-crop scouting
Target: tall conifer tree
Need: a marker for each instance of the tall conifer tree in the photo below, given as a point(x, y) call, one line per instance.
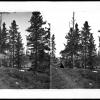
point(88, 46)
point(37, 40)
point(53, 48)
point(4, 39)
point(16, 47)
point(73, 45)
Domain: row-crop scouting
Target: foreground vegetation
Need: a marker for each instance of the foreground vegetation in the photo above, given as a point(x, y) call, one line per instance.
point(68, 78)
point(12, 78)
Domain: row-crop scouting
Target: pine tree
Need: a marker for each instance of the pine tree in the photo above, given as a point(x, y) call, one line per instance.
point(85, 38)
point(91, 51)
point(19, 51)
point(73, 46)
point(73, 40)
point(37, 40)
point(4, 39)
point(53, 48)
point(13, 36)
point(88, 46)
point(77, 45)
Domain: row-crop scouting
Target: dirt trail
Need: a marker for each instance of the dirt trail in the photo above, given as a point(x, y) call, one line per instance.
point(66, 79)
point(59, 79)
point(70, 82)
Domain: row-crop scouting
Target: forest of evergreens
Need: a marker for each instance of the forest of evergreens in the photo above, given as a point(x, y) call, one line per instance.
point(39, 63)
point(35, 61)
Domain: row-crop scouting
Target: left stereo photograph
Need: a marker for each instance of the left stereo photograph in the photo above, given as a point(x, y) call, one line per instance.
point(24, 50)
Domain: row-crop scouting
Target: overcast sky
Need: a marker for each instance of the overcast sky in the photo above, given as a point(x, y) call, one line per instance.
point(59, 14)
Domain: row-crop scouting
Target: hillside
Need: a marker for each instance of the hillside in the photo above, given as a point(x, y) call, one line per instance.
point(74, 78)
point(11, 78)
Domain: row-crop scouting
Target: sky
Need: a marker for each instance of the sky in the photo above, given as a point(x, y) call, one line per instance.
point(59, 14)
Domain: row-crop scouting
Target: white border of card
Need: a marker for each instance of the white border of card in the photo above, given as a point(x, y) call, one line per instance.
point(41, 93)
